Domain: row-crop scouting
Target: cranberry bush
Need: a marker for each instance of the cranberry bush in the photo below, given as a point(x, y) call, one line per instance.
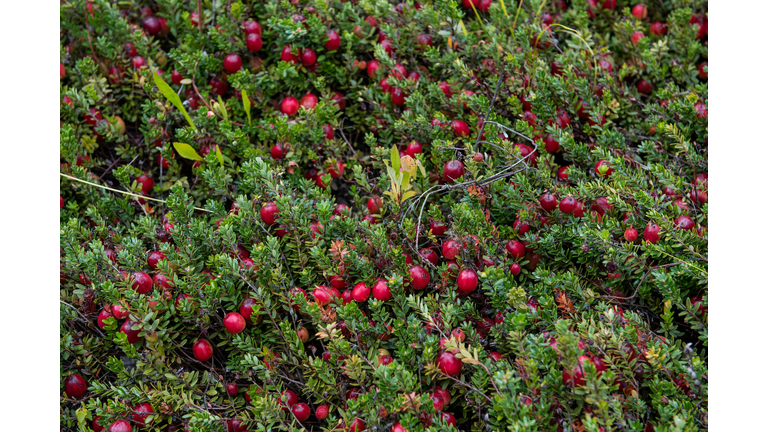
point(361, 215)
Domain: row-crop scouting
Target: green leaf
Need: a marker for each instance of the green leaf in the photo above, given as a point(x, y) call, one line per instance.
point(187, 152)
point(171, 377)
point(223, 109)
point(218, 154)
point(408, 195)
point(395, 156)
point(169, 94)
point(246, 105)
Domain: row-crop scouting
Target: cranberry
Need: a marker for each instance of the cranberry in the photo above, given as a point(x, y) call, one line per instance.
point(361, 292)
point(609, 4)
point(603, 168)
point(152, 25)
point(357, 425)
point(449, 364)
point(308, 57)
point(234, 322)
point(446, 89)
point(138, 62)
point(232, 389)
point(657, 28)
point(142, 282)
point(301, 411)
point(75, 386)
point(438, 228)
point(321, 412)
point(372, 68)
point(516, 249)
point(630, 234)
point(636, 36)
point(132, 335)
point(308, 101)
point(450, 249)
point(651, 233)
point(141, 412)
point(419, 277)
point(288, 399)
point(289, 106)
point(287, 55)
point(374, 205)
point(548, 201)
point(640, 11)
point(453, 170)
point(398, 96)
point(567, 205)
point(120, 426)
point(333, 41)
point(381, 290)
point(684, 222)
point(153, 258)
point(246, 310)
point(218, 86)
point(460, 128)
point(644, 87)
point(515, 268)
point(467, 281)
point(253, 42)
point(530, 118)
point(277, 152)
point(269, 213)
point(429, 255)
point(338, 99)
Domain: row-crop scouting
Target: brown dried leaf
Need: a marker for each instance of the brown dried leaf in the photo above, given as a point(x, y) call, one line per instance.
point(563, 302)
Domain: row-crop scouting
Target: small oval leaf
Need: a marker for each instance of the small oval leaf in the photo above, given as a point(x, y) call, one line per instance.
point(187, 151)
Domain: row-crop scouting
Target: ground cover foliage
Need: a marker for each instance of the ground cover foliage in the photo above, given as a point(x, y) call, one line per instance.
point(368, 215)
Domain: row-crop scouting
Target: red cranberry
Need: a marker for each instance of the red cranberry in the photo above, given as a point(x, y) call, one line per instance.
point(548, 201)
point(289, 106)
point(603, 168)
point(253, 42)
point(429, 255)
point(278, 151)
point(321, 412)
point(75, 386)
point(640, 11)
point(338, 99)
point(152, 25)
point(287, 55)
point(657, 28)
point(381, 290)
point(374, 205)
point(142, 282)
point(636, 36)
point(516, 249)
point(333, 41)
point(419, 277)
point(301, 411)
point(308, 57)
point(567, 205)
point(644, 87)
point(246, 310)
point(450, 249)
point(232, 63)
point(651, 233)
point(252, 27)
point(630, 234)
point(684, 222)
point(132, 335)
point(357, 425)
point(361, 292)
point(460, 128)
point(138, 62)
point(308, 101)
point(234, 323)
point(467, 281)
point(449, 364)
point(269, 213)
point(218, 86)
point(120, 426)
point(372, 68)
point(453, 170)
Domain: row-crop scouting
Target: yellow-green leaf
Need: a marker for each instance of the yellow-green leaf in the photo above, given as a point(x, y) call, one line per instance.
point(469, 360)
point(246, 105)
point(172, 97)
point(218, 155)
point(223, 109)
point(408, 195)
point(395, 156)
point(187, 151)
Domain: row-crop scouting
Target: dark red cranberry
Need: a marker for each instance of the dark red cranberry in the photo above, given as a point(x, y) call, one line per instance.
point(253, 42)
point(333, 41)
point(75, 386)
point(453, 170)
point(548, 201)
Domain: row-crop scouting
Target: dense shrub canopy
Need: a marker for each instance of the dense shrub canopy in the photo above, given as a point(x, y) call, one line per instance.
point(364, 215)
